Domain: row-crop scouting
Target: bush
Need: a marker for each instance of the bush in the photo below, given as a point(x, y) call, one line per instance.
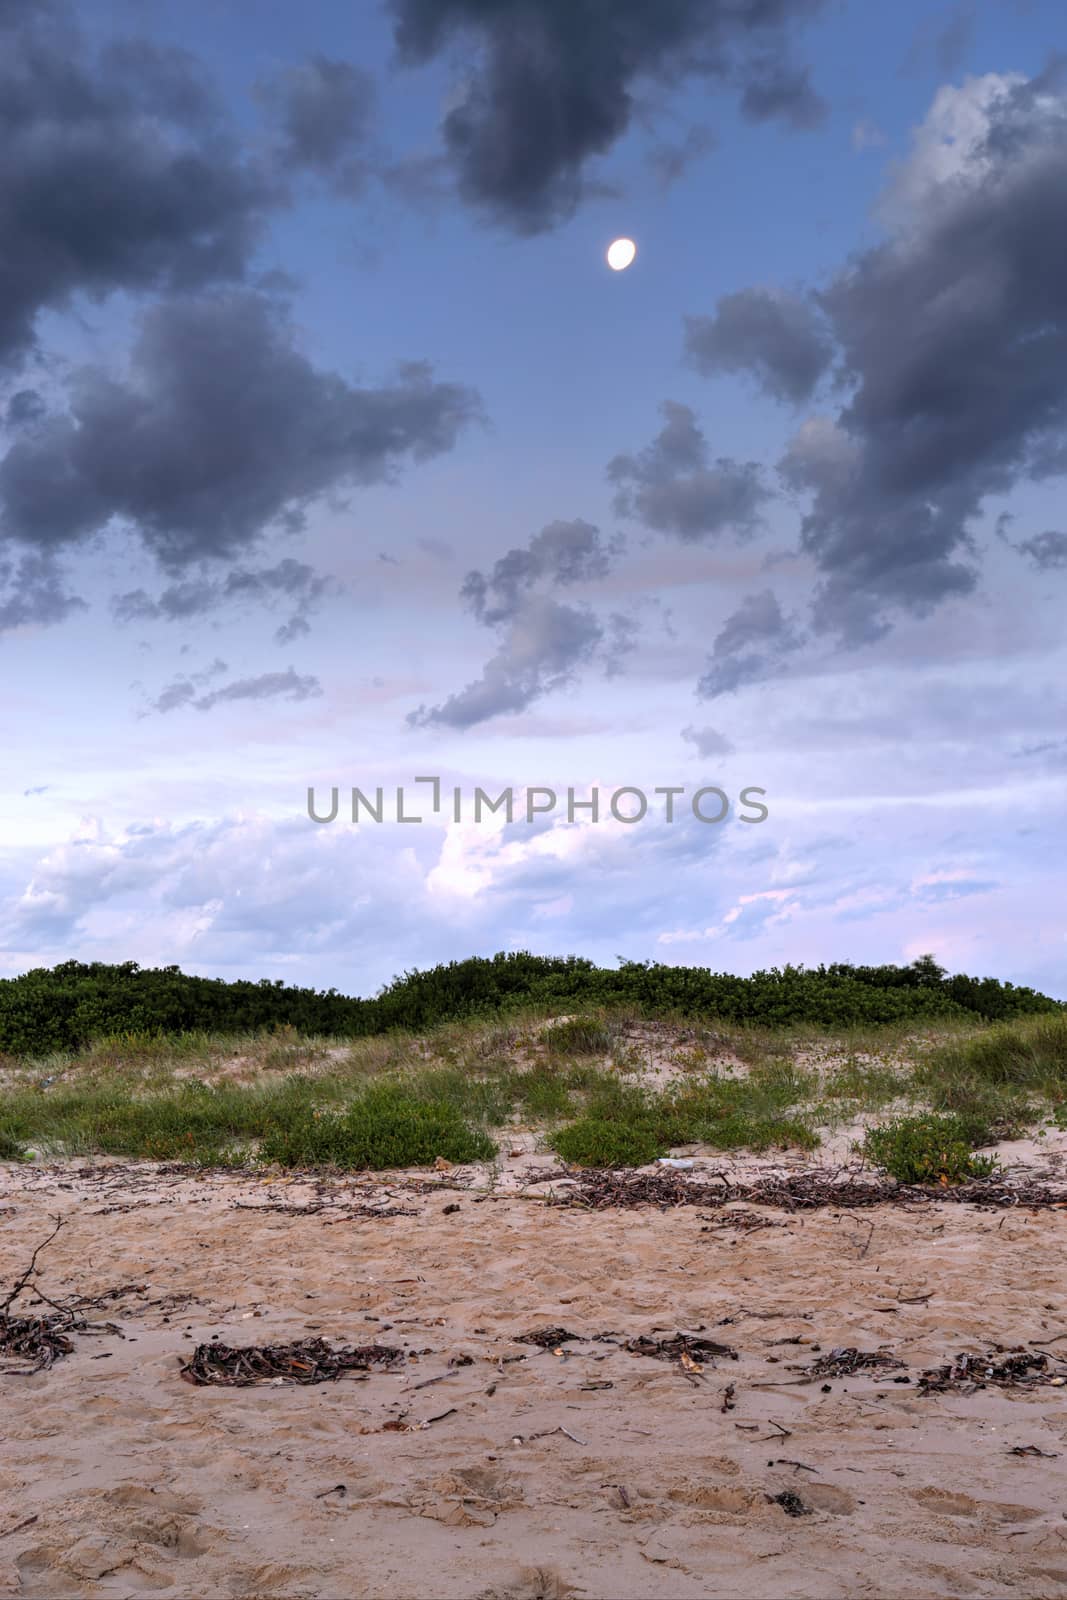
point(386, 1127)
point(68, 1006)
point(597, 1142)
point(927, 1149)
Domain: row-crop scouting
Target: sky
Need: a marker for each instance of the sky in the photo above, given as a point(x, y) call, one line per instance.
point(333, 455)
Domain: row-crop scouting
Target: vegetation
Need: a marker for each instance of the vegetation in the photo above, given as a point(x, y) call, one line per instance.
point(69, 1006)
point(927, 1149)
point(386, 1127)
point(996, 1078)
point(602, 1084)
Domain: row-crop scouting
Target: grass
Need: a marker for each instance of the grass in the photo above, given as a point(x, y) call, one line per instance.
point(405, 1098)
point(1002, 1079)
point(386, 1127)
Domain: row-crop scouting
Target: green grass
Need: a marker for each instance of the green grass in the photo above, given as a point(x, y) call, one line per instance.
point(390, 1099)
point(927, 1149)
point(577, 1036)
point(625, 1124)
point(386, 1127)
point(598, 1142)
point(1003, 1079)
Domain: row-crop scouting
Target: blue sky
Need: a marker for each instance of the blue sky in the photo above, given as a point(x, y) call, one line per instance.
point(779, 506)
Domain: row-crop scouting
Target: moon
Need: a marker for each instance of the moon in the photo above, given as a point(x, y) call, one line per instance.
point(620, 254)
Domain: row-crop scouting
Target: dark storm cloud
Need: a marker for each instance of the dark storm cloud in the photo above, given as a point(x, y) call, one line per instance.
point(562, 553)
point(545, 643)
point(115, 173)
point(555, 82)
point(288, 685)
point(751, 645)
point(292, 582)
point(954, 341)
point(778, 338)
point(220, 429)
point(671, 487)
point(321, 112)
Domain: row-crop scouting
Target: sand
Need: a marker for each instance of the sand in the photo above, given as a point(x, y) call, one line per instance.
point(140, 1484)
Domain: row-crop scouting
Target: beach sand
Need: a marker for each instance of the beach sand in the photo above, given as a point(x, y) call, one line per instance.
point(139, 1483)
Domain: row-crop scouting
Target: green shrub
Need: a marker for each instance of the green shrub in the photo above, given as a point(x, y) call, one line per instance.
point(386, 1127)
point(927, 1149)
point(597, 1142)
point(68, 1006)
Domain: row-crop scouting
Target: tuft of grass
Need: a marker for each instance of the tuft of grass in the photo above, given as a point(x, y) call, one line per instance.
point(927, 1149)
point(386, 1127)
point(577, 1036)
point(10, 1147)
point(867, 1084)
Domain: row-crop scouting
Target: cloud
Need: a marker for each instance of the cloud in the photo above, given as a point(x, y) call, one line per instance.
point(562, 553)
point(220, 429)
point(671, 161)
point(707, 742)
point(1046, 550)
point(778, 90)
point(751, 645)
point(778, 338)
point(31, 591)
point(554, 84)
point(288, 685)
point(867, 135)
point(290, 581)
point(945, 40)
point(544, 644)
point(116, 173)
point(953, 336)
point(670, 487)
point(321, 113)
point(542, 641)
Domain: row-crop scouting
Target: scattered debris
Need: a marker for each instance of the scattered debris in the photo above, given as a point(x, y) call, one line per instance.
point(547, 1338)
point(791, 1503)
point(843, 1362)
point(743, 1221)
point(1005, 1368)
point(305, 1361)
point(44, 1338)
point(677, 1348)
point(849, 1188)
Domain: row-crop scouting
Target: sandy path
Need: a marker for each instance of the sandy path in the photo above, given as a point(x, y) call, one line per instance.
point(142, 1484)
